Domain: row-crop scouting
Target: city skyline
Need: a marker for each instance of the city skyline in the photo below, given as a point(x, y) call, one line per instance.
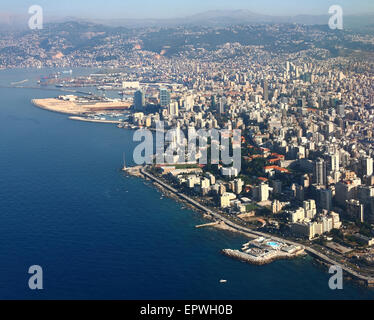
point(160, 149)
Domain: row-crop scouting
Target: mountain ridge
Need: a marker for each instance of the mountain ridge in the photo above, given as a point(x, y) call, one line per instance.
point(206, 18)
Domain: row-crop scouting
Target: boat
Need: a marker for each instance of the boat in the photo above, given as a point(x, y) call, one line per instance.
point(18, 82)
point(222, 281)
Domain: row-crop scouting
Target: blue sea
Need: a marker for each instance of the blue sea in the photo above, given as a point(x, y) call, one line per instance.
point(98, 234)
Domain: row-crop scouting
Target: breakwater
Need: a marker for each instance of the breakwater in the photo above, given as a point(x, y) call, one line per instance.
point(261, 260)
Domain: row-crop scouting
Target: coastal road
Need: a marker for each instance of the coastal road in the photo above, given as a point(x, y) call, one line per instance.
point(321, 256)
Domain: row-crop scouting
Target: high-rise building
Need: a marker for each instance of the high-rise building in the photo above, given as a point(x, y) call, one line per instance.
point(221, 105)
point(188, 103)
point(310, 209)
point(367, 166)
point(139, 100)
point(264, 192)
point(164, 97)
point(266, 91)
point(371, 215)
point(238, 186)
point(288, 66)
point(334, 162)
point(226, 198)
point(213, 102)
point(325, 196)
point(355, 209)
point(173, 109)
point(320, 172)
point(299, 192)
point(341, 110)
point(277, 186)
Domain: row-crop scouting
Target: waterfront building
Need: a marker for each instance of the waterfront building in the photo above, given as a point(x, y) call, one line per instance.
point(311, 229)
point(130, 85)
point(211, 178)
point(139, 100)
point(226, 199)
point(192, 181)
point(205, 183)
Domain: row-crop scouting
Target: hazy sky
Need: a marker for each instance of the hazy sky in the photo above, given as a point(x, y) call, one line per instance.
point(179, 8)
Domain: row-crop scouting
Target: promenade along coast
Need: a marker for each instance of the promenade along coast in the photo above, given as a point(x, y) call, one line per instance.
point(265, 248)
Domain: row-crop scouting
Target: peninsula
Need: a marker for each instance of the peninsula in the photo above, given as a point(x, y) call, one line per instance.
point(74, 105)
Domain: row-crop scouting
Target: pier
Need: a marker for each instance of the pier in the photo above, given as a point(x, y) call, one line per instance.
point(93, 120)
point(211, 224)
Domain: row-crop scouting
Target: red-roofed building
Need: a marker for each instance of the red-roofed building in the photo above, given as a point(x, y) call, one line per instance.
point(268, 169)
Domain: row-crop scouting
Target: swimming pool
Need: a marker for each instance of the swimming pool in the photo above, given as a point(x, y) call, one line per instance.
point(273, 244)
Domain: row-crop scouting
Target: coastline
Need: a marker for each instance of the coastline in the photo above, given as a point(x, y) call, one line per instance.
point(236, 254)
point(227, 225)
point(76, 118)
point(224, 223)
point(73, 108)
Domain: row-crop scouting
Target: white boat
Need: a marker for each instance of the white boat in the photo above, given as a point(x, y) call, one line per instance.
point(222, 281)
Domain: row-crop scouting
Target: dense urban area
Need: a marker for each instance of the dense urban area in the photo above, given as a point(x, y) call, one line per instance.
point(302, 96)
